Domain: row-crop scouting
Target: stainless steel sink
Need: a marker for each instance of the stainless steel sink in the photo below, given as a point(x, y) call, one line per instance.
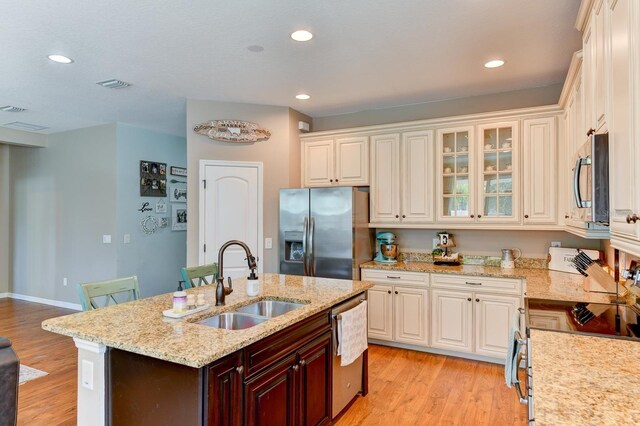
point(233, 321)
point(269, 308)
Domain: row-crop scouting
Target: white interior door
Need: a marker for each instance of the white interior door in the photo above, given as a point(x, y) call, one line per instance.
point(231, 209)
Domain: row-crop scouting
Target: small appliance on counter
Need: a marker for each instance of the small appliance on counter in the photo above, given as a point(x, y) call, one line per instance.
point(387, 248)
point(446, 258)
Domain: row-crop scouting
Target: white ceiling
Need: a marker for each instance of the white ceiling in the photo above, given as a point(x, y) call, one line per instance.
point(366, 54)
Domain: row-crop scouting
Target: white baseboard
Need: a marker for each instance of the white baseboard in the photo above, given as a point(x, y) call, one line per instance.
point(58, 303)
point(439, 351)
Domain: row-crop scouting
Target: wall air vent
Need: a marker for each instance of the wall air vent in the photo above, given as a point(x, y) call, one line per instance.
point(18, 125)
point(113, 84)
point(11, 108)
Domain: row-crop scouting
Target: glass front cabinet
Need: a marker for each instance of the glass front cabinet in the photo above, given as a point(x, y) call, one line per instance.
point(479, 173)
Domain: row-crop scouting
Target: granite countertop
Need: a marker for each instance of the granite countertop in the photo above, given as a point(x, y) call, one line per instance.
point(542, 284)
point(140, 327)
point(584, 380)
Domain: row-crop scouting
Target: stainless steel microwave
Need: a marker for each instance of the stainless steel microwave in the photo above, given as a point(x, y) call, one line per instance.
point(591, 181)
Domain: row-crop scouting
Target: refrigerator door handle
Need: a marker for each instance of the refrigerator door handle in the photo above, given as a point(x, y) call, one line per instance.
point(312, 257)
point(304, 245)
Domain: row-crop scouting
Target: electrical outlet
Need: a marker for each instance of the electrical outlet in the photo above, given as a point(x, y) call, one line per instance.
point(556, 244)
point(268, 243)
point(436, 241)
point(106, 239)
point(87, 374)
point(126, 239)
point(64, 281)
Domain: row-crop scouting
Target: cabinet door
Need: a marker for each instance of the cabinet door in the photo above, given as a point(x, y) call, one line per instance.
point(317, 163)
point(271, 398)
point(380, 312)
point(499, 173)
point(411, 319)
point(385, 178)
point(455, 182)
point(315, 360)
point(588, 78)
point(352, 161)
point(417, 177)
point(624, 183)
point(599, 67)
point(540, 171)
point(224, 385)
point(451, 320)
point(492, 322)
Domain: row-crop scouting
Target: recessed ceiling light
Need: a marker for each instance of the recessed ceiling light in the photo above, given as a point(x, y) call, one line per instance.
point(303, 96)
point(301, 35)
point(60, 59)
point(494, 63)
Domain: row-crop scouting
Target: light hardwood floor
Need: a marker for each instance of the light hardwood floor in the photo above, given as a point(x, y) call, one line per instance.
point(405, 387)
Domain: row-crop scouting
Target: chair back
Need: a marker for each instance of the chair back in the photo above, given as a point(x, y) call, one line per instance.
point(91, 292)
point(200, 273)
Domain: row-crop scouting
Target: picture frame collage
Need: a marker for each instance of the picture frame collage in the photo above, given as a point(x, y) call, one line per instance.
point(154, 182)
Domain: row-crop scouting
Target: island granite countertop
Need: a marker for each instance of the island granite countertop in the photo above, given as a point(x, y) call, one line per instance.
point(584, 380)
point(542, 284)
point(140, 327)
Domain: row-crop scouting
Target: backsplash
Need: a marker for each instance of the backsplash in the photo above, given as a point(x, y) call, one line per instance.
point(523, 262)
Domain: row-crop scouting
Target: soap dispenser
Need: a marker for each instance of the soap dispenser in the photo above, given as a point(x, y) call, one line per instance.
point(253, 285)
point(180, 299)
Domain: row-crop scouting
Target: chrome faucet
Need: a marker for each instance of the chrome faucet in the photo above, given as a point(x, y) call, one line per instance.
point(221, 290)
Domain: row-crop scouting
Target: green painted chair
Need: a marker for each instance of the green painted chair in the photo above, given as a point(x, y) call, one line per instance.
point(189, 275)
point(90, 292)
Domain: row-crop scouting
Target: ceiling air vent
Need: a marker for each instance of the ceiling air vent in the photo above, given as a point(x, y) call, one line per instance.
point(113, 84)
point(19, 125)
point(11, 108)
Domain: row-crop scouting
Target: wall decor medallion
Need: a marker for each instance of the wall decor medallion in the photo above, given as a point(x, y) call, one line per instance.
point(232, 131)
point(149, 225)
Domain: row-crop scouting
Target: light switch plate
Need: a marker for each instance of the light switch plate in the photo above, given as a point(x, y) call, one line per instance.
point(268, 243)
point(556, 244)
point(126, 239)
point(106, 239)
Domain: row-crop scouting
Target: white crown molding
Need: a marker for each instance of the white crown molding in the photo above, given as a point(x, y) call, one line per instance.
point(583, 14)
point(573, 74)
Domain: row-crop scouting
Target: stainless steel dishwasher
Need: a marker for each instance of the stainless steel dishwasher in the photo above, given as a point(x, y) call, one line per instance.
point(347, 380)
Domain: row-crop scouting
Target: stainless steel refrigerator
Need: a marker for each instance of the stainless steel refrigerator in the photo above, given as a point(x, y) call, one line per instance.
point(324, 232)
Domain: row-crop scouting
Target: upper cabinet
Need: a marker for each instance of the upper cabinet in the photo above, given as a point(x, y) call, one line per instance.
point(336, 162)
point(593, 70)
point(402, 178)
point(539, 170)
point(456, 196)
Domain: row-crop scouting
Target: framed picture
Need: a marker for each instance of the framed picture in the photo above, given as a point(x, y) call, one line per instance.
point(177, 193)
point(178, 217)
point(161, 207)
point(178, 171)
point(153, 179)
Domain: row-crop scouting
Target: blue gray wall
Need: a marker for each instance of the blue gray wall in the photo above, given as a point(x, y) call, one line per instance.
point(156, 258)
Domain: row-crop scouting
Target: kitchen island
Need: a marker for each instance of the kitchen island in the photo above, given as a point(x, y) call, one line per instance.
point(134, 361)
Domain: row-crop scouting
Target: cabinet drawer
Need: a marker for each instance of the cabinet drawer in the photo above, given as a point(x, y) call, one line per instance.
point(392, 277)
point(477, 284)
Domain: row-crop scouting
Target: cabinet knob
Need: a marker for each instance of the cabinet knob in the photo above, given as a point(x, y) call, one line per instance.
point(389, 291)
point(472, 216)
point(566, 216)
point(469, 299)
point(397, 216)
point(591, 131)
point(477, 300)
point(526, 216)
point(479, 216)
point(303, 362)
point(396, 292)
point(336, 180)
point(632, 218)
point(330, 180)
point(240, 369)
point(403, 216)
point(295, 367)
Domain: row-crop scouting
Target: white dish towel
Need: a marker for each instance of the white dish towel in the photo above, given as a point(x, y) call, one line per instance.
point(510, 366)
point(352, 333)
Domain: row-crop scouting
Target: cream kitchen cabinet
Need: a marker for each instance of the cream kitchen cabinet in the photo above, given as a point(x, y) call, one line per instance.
point(540, 171)
point(473, 314)
point(402, 178)
point(594, 69)
point(398, 306)
point(341, 161)
point(624, 116)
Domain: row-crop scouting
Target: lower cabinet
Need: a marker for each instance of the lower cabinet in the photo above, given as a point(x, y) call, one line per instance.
point(224, 383)
point(398, 313)
point(451, 325)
